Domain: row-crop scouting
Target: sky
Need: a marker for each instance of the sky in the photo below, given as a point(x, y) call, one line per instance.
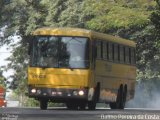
point(5, 52)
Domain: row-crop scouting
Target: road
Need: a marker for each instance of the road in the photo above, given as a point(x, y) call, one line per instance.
point(64, 114)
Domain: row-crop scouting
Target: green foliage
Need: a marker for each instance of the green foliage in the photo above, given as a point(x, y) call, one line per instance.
point(108, 15)
point(55, 9)
point(148, 50)
point(19, 62)
point(155, 19)
point(138, 20)
point(30, 102)
point(3, 80)
point(71, 16)
point(52, 104)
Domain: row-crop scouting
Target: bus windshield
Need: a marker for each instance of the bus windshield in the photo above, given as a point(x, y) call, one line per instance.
point(60, 52)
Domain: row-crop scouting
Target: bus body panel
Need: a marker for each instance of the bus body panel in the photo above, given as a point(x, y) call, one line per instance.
point(58, 85)
point(111, 76)
point(55, 77)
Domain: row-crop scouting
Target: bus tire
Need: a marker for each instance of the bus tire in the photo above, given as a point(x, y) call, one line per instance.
point(92, 104)
point(82, 105)
point(43, 104)
point(121, 98)
point(119, 104)
point(97, 92)
point(124, 96)
point(113, 105)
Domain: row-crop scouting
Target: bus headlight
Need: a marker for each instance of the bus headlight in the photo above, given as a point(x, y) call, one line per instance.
point(81, 92)
point(33, 90)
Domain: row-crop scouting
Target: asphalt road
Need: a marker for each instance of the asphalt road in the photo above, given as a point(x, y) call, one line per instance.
point(64, 114)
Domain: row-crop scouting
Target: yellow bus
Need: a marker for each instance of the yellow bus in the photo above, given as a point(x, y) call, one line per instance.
point(80, 68)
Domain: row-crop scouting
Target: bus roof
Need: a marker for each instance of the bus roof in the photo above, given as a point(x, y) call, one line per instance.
point(83, 33)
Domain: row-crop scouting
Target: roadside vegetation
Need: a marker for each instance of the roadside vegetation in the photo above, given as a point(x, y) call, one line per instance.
point(137, 20)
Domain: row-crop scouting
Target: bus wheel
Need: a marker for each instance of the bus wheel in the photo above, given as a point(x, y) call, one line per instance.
point(124, 97)
point(121, 98)
point(120, 101)
point(92, 104)
point(72, 106)
point(113, 105)
point(116, 105)
point(82, 105)
point(43, 104)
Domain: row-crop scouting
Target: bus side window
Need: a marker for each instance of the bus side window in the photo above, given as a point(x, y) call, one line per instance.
point(110, 51)
point(116, 52)
point(133, 60)
point(127, 55)
point(99, 50)
point(122, 54)
point(105, 50)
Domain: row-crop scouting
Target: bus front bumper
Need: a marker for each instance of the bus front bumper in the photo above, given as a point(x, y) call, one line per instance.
point(58, 93)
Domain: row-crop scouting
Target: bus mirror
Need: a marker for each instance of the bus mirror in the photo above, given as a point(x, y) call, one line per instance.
point(29, 49)
point(29, 46)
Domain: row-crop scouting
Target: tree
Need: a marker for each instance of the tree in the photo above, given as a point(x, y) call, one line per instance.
point(148, 50)
point(125, 18)
point(72, 15)
point(120, 15)
point(21, 17)
point(3, 80)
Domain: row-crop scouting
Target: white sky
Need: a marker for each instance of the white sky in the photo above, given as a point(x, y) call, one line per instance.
point(5, 53)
